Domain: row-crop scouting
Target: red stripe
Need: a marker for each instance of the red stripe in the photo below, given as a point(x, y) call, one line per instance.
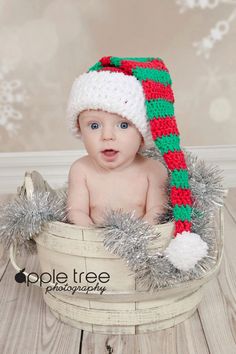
point(105, 61)
point(175, 160)
point(181, 226)
point(159, 64)
point(163, 126)
point(180, 196)
point(129, 65)
point(154, 90)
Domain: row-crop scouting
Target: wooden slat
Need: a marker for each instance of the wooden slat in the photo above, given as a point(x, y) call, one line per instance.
point(128, 317)
point(74, 247)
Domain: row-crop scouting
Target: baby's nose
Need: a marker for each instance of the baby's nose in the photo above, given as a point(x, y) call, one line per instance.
point(108, 133)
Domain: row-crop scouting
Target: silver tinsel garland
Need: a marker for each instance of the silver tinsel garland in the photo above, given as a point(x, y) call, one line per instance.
point(23, 218)
point(124, 234)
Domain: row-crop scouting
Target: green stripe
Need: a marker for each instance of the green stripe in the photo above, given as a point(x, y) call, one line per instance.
point(161, 76)
point(159, 108)
point(182, 212)
point(115, 61)
point(168, 143)
point(95, 67)
point(179, 179)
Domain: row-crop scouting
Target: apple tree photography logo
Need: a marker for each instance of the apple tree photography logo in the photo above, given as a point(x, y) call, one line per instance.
point(57, 281)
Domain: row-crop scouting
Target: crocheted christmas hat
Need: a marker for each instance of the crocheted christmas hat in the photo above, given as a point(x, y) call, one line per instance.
point(140, 90)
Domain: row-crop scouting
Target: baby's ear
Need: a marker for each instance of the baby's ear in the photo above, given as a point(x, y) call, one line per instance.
point(77, 123)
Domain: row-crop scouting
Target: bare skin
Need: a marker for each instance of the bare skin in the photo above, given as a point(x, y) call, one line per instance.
point(124, 180)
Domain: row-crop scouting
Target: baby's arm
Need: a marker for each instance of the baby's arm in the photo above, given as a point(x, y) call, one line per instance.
point(78, 196)
point(156, 195)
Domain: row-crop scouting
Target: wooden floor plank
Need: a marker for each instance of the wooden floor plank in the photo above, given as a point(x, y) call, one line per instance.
point(27, 325)
point(217, 310)
point(107, 344)
point(4, 260)
point(231, 202)
point(190, 337)
point(4, 255)
point(184, 338)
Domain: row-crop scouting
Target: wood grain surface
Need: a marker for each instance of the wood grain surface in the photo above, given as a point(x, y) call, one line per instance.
point(27, 326)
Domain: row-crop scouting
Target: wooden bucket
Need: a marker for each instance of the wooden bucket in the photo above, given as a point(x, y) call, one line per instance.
point(122, 308)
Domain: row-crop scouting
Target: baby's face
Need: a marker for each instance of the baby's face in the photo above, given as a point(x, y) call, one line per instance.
point(111, 140)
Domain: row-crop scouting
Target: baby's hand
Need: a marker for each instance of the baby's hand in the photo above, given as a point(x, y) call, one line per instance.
point(151, 215)
point(79, 218)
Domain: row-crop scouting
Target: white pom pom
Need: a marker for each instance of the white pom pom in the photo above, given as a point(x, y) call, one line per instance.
point(185, 250)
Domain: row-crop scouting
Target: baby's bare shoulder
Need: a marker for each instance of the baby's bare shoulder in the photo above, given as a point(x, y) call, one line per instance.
point(156, 168)
point(154, 165)
point(80, 165)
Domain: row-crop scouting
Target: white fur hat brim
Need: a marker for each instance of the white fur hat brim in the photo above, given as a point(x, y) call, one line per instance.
point(112, 92)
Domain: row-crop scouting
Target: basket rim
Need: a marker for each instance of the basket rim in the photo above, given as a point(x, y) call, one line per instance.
point(78, 227)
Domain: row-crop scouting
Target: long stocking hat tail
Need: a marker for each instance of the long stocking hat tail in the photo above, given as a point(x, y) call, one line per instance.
point(159, 100)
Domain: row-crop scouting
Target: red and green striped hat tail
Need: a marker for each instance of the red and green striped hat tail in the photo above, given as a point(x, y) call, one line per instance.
point(159, 100)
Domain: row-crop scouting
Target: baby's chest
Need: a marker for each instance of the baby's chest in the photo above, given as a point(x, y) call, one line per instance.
point(118, 192)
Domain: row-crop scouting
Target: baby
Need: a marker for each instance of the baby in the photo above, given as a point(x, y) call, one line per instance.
point(118, 107)
point(113, 175)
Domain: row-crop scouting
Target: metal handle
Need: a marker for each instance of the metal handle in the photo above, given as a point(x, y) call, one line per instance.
point(32, 278)
point(29, 188)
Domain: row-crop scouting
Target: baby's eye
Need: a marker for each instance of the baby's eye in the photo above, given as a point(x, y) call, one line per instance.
point(94, 125)
point(123, 125)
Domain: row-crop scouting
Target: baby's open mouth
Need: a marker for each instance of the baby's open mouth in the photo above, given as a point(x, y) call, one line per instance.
point(109, 152)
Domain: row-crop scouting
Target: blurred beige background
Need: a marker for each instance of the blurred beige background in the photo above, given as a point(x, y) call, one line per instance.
point(44, 45)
